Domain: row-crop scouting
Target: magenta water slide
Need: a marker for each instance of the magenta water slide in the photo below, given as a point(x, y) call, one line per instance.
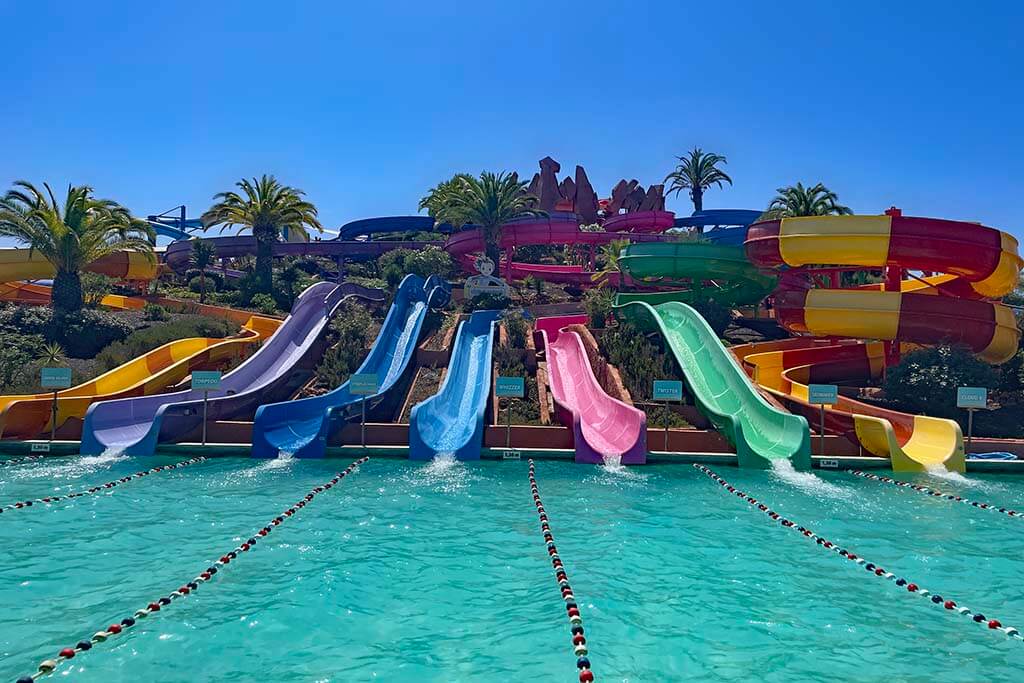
point(136, 425)
point(603, 427)
point(559, 228)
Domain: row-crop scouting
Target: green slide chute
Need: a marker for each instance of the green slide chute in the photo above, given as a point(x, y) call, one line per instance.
point(707, 271)
point(759, 432)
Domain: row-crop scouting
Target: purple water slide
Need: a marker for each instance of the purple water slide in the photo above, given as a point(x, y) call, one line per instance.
point(178, 253)
point(602, 426)
point(136, 425)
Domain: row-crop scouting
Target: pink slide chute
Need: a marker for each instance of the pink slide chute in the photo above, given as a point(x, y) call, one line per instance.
point(602, 426)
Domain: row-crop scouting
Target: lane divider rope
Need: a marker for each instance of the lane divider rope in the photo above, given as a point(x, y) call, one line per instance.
point(579, 639)
point(874, 569)
point(935, 493)
point(48, 666)
point(20, 460)
point(47, 500)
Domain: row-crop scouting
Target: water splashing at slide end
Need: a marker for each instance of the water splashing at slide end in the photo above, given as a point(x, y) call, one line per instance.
point(806, 481)
point(939, 471)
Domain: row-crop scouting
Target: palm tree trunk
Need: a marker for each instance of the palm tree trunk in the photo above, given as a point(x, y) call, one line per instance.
point(264, 264)
point(67, 292)
point(697, 194)
point(202, 286)
point(492, 236)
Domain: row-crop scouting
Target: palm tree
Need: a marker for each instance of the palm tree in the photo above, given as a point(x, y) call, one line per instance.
point(797, 200)
point(203, 255)
point(290, 276)
point(610, 253)
point(437, 201)
point(697, 172)
point(489, 202)
point(265, 207)
point(71, 236)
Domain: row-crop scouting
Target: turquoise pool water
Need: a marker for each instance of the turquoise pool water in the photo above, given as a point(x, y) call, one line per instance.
point(438, 572)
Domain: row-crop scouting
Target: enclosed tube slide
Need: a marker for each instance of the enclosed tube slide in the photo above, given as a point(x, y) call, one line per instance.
point(976, 263)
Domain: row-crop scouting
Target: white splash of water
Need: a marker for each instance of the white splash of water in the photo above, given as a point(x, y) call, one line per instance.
point(443, 473)
point(806, 481)
point(939, 471)
point(74, 467)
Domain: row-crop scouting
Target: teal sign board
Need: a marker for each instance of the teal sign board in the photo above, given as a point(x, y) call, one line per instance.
point(364, 384)
point(822, 394)
point(971, 397)
point(668, 390)
point(207, 380)
point(510, 387)
point(55, 378)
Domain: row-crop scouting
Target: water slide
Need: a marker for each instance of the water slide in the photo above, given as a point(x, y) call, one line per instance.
point(722, 391)
point(601, 425)
point(561, 229)
point(26, 264)
point(452, 420)
point(136, 425)
point(178, 253)
point(303, 427)
point(707, 271)
point(970, 265)
point(27, 416)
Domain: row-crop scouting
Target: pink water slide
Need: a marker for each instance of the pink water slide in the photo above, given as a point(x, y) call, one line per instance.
point(601, 425)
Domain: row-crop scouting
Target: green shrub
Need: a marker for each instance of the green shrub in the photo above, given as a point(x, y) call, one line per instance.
point(510, 364)
point(639, 361)
point(397, 263)
point(486, 302)
point(155, 312)
point(925, 381)
point(195, 285)
point(94, 287)
point(516, 327)
point(351, 332)
point(214, 280)
point(598, 304)
point(264, 303)
point(149, 338)
point(16, 367)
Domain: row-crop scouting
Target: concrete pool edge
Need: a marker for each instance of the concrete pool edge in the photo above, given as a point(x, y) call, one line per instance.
point(831, 462)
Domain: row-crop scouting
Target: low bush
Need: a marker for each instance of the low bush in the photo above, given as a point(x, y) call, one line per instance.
point(94, 287)
point(155, 313)
point(395, 264)
point(16, 354)
point(351, 333)
point(516, 327)
point(486, 302)
point(82, 334)
point(638, 360)
point(925, 381)
point(214, 280)
point(264, 303)
point(149, 338)
point(525, 410)
point(597, 302)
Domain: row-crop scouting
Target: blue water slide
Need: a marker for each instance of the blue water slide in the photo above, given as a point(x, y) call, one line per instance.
point(452, 420)
point(365, 227)
point(728, 226)
point(303, 427)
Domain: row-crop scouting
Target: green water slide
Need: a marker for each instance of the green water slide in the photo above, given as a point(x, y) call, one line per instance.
point(703, 271)
point(759, 432)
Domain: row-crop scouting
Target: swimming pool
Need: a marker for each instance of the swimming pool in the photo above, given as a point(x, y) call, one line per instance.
point(439, 572)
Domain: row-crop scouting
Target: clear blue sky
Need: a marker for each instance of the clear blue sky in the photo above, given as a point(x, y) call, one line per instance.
point(366, 105)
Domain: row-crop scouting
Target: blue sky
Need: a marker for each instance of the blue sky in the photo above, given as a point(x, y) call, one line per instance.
point(365, 107)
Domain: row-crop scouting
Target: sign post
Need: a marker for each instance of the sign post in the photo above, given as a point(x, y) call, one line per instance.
point(669, 391)
point(971, 398)
point(510, 388)
point(207, 380)
point(822, 395)
point(56, 379)
point(363, 384)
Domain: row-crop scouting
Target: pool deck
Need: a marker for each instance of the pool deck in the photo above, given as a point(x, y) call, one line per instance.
point(824, 462)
